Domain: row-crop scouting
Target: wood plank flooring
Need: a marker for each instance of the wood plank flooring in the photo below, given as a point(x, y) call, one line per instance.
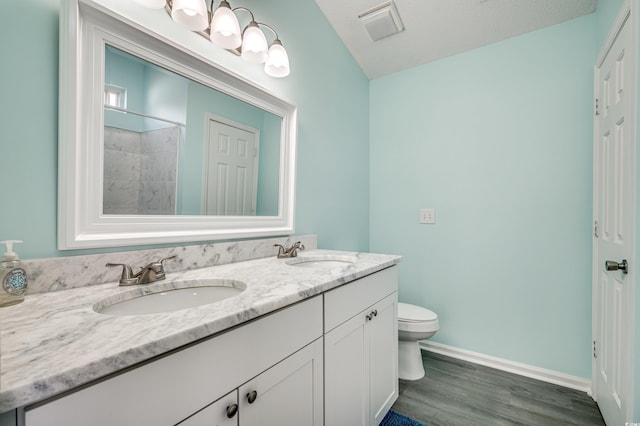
point(460, 393)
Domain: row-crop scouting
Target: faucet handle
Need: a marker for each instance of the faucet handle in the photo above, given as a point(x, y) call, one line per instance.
point(281, 251)
point(127, 277)
point(168, 258)
point(294, 249)
point(158, 264)
point(158, 267)
point(161, 261)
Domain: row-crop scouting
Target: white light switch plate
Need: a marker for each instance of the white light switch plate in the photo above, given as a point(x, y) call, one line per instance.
point(427, 215)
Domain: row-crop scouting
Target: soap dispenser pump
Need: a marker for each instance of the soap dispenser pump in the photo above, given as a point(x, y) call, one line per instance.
point(14, 278)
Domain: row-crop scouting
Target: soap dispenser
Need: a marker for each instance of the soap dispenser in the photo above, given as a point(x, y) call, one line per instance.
point(12, 277)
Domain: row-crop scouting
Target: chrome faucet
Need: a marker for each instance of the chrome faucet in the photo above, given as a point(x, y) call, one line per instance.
point(291, 251)
point(151, 273)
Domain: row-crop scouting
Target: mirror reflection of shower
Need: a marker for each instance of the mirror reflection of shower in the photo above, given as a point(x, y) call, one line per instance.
point(140, 98)
point(140, 165)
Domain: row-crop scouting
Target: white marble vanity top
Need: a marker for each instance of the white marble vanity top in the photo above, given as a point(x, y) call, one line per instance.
point(55, 341)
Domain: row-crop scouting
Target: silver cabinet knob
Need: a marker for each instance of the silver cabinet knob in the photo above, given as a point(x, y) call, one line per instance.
point(251, 396)
point(232, 410)
point(612, 265)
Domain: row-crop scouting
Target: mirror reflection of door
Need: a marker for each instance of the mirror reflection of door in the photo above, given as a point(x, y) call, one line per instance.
point(230, 184)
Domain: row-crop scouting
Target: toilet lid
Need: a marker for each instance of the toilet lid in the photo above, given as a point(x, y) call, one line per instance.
point(408, 312)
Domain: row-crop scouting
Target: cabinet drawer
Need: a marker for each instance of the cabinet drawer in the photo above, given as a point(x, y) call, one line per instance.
point(348, 300)
point(165, 391)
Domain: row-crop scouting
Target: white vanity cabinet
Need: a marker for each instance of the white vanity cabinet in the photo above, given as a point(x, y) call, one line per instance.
point(328, 360)
point(273, 355)
point(361, 350)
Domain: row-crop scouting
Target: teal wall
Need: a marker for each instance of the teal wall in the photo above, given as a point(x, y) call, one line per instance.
point(635, 355)
point(606, 13)
point(150, 90)
point(29, 119)
point(498, 140)
point(165, 96)
point(120, 71)
point(268, 172)
point(326, 84)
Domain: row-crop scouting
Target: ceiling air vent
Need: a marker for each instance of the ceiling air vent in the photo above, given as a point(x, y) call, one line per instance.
point(381, 21)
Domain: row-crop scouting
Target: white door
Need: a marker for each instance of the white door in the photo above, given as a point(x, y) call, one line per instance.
point(614, 216)
point(230, 185)
point(346, 380)
point(383, 355)
point(287, 394)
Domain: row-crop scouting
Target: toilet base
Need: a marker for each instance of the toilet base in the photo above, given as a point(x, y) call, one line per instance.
point(409, 360)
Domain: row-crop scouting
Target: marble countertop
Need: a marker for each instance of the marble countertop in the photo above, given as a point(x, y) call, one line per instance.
point(55, 341)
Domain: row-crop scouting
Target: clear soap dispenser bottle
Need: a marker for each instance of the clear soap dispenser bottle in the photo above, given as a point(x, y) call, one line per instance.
point(12, 277)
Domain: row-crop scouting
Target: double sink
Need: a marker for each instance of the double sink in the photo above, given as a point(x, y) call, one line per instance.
point(174, 296)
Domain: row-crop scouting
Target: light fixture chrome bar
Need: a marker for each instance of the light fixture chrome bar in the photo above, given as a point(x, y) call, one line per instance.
point(276, 68)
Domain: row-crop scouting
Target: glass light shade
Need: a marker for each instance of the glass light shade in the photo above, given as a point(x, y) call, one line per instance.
point(225, 29)
point(152, 4)
point(278, 63)
point(190, 13)
point(254, 44)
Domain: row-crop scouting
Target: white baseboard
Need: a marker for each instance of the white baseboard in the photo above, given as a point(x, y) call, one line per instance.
point(530, 371)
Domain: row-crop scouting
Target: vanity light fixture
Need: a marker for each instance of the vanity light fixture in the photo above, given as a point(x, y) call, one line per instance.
point(222, 27)
point(193, 14)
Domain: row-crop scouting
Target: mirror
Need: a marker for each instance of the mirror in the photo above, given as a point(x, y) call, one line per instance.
point(158, 144)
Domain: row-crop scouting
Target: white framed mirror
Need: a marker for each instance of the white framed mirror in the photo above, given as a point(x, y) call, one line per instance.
point(158, 144)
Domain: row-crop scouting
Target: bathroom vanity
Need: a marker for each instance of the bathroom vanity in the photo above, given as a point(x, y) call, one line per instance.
point(310, 342)
point(304, 341)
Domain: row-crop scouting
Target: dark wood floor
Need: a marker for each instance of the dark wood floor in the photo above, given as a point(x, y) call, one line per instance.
point(459, 393)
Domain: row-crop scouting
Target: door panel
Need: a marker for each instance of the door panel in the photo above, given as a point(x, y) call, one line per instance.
point(346, 380)
point(614, 215)
point(230, 184)
point(287, 394)
point(384, 357)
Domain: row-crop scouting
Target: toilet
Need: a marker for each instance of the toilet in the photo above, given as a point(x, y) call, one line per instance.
point(414, 323)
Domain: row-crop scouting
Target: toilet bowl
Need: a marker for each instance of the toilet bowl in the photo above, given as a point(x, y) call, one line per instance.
point(414, 323)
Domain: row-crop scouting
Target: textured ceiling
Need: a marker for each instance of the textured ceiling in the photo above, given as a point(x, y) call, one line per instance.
point(438, 28)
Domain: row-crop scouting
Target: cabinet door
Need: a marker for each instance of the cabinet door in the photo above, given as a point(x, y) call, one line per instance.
point(223, 412)
point(8, 418)
point(383, 356)
point(287, 394)
point(347, 373)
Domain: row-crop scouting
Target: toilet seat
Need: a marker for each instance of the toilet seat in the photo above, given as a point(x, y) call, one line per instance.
point(413, 313)
point(416, 319)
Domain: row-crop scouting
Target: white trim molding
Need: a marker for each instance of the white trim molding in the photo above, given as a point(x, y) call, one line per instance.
point(533, 372)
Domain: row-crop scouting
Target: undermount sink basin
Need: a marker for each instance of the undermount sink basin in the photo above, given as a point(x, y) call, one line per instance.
point(169, 297)
point(322, 261)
